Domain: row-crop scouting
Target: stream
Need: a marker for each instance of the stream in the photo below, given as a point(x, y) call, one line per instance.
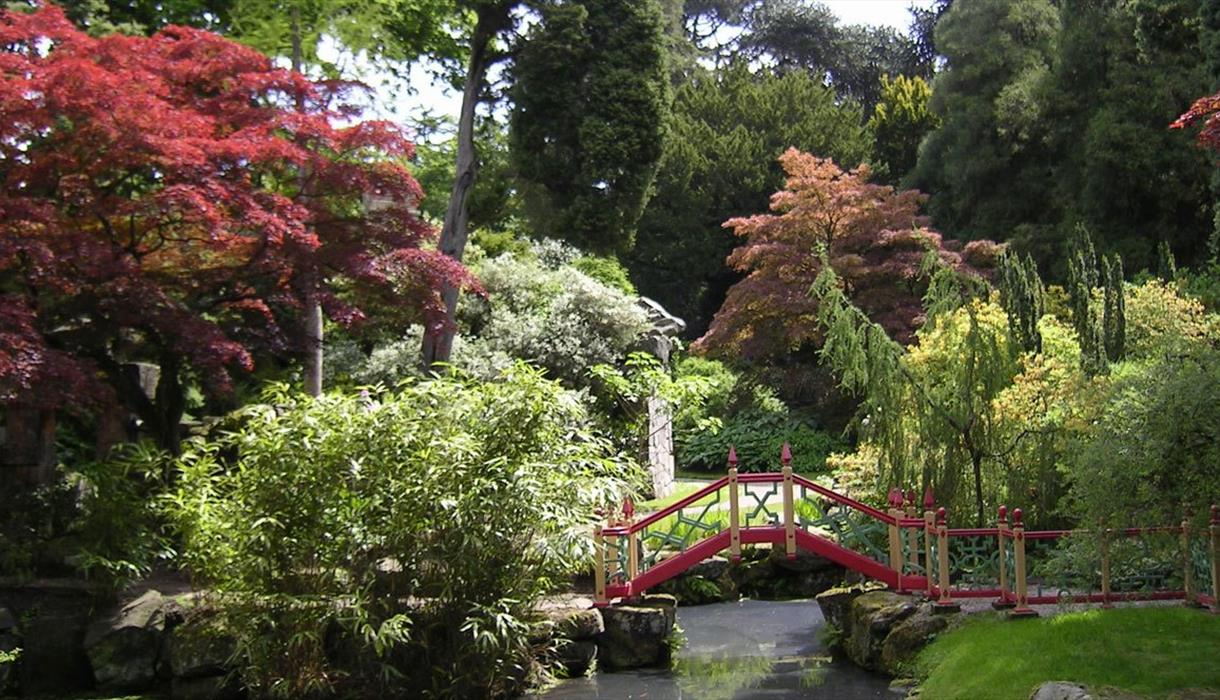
point(745, 650)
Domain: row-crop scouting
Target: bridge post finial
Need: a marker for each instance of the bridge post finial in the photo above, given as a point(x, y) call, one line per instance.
point(928, 499)
point(732, 457)
point(785, 455)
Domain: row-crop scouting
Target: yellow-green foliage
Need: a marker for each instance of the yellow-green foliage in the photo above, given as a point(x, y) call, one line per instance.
point(1160, 321)
point(857, 474)
point(1050, 403)
point(1025, 409)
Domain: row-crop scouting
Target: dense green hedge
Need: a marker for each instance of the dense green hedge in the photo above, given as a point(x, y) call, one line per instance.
point(370, 544)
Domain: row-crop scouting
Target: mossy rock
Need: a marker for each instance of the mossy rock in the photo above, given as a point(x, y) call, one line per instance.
point(635, 634)
point(908, 637)
point(872, 616)
point(580, 625)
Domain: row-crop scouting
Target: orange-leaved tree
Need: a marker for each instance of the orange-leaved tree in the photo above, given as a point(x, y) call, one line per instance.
point(872, 235)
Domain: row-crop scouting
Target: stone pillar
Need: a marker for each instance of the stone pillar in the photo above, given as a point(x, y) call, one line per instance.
point(660, 446)
point(27, 453)
point(658, 450)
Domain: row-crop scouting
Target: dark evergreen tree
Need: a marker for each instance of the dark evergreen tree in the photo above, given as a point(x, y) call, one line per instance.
point(1021, 294)
point(1166, 265)
point(1082, 278)
point(590, 102)
point(1114, 319)
point(728, 130)
point(986, 165)
point(1054, 112)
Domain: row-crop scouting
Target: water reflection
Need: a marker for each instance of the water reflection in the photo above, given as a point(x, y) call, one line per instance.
point(748, 650)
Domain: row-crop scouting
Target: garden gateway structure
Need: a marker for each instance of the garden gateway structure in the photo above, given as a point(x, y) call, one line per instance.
point(907, 550)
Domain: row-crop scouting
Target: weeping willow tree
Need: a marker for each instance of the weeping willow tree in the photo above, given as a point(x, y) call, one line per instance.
point(929, 408)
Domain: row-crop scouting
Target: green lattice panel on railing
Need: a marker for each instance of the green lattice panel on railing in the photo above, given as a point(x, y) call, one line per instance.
point(1062, 568)
point(675, 533)
point(1147, 562)
point(618, 563)
point(974, 561)
point(762, 505)
point(914, 565)
point(1201, 560)
point(845, 525)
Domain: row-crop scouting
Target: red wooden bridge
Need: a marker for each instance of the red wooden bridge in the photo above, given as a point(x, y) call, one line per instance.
point(907, 550)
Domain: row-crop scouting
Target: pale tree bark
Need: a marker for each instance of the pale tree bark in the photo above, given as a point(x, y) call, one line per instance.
point(312, 362)
point(491, 19)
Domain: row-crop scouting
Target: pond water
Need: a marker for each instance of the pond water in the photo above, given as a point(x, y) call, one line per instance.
point(746, 650)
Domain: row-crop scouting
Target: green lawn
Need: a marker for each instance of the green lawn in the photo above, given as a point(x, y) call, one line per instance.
point(1149, 651)
point(680, 491)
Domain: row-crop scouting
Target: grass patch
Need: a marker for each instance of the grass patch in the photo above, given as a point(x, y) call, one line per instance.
point(698, 474)
point(680, 491)
point(1149, 651)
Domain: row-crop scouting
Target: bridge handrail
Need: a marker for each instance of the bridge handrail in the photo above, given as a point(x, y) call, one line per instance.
point(924, 553)
point(668, 510)
point(850, 502)
point(762, 477)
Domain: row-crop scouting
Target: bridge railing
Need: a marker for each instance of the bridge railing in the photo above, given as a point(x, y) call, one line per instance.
point(1018, 567)
point(906, 549)
point(635, 553)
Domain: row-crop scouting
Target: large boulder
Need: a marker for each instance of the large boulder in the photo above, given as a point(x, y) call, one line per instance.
point(803, 563)
point(197, 650)
point(577, 657)
point(873, 615)
point(768, 573)
point(580, 625)
point(711, 568)
point(908, 637)
point(52, 616)
point(124, 647)
point(835, 604)
point(636, 634)
point(1060, 690)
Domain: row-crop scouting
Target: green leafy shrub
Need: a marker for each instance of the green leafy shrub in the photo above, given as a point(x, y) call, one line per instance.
point(620, 393)
point(98, 520)
point(758, 433)
point(121, 533)
point(539, 308)
point(1154, 449)
point(609, 271)
point(713, 408)
point(395, 543)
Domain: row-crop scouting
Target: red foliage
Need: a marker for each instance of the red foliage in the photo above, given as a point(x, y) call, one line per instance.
point(874, 238)
point(176, 196)
point(1205, 110)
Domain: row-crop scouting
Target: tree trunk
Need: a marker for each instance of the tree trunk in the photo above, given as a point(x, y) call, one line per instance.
point(170, 404)
point(313, 345)
point(313, 310)
point(976, 460)
point(438, 346)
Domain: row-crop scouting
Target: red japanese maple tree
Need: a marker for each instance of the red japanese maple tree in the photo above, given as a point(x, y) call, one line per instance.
point(175, 199)
point(873, 237)
point(1205, 112)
